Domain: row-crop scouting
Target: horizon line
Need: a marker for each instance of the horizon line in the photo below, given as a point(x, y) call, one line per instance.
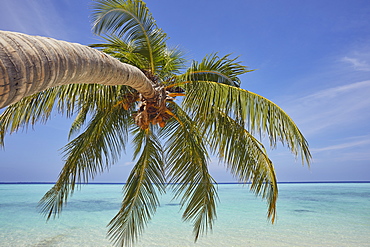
point(121, 183)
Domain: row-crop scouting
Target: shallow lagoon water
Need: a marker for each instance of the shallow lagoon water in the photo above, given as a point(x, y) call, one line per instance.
point(309, 214)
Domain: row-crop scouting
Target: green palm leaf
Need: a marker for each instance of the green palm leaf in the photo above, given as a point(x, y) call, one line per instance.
point(246, 158)
point(68, 100)
point(30, 110)
point(258, 113)
point(224, 70)
point(171, 63)
point(168, 63)
point(140, 192)
point(131, 21)
point(36, 108)
point(90, 153)
point(187, 162)
point(123, 51)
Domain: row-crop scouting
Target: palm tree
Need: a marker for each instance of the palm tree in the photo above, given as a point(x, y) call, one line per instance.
point(195, 113)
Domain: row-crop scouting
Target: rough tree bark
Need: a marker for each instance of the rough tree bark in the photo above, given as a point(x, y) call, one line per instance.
point(31, 64)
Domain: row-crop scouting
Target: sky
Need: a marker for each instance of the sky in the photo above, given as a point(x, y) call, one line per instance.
point(312, 58)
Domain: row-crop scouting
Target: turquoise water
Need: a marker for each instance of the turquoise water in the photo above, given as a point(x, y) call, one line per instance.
point(312, 214)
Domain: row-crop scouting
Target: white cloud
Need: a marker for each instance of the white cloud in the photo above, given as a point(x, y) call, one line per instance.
point(344, 145)
point(338, 91)
point(339, 106)
point(33, 17)
point(346, 150)
point(357, 63)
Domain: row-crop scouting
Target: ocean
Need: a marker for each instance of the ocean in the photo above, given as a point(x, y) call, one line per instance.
point(309, 214)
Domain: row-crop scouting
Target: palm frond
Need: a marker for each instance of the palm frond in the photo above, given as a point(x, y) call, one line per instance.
point(171, 63)
point(95, 97)
point(140, 192)
point(188, 172)
point(131, 21)
point(79, 121)
point(98, 147)
point(246, 158)
point(123, 51)
point(168, 63)
point(28, 111)
point(67, 100)
point(260, 115)
point(224, 70)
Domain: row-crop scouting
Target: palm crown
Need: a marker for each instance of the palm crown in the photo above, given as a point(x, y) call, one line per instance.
point(214, 117)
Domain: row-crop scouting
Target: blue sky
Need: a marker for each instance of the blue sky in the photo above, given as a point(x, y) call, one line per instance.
point(312, 58)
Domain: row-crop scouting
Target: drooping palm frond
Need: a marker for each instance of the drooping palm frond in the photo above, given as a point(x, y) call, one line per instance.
point(98, 147)
point(140, 192)
point(79, 121)
point(38, 108)
point(68, 100)
point(28, 111)
point(92, 98)
point(131, 21)
point(187, 169)
point(260, 115)
point(245, 157)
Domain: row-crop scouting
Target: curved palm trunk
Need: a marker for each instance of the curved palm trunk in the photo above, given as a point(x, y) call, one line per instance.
point(31, 64)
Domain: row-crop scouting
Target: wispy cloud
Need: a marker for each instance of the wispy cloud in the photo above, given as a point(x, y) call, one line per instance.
point(357, 63)
point(358, 58)
point(338, 91)
point(346, 150)
point(344, 145)
point(33, 17)
point(337, 107)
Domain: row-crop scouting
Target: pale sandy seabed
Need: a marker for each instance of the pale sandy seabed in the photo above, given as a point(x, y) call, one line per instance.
point(308, 215)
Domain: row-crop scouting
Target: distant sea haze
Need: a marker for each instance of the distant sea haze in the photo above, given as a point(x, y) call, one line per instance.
point(309, 214)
